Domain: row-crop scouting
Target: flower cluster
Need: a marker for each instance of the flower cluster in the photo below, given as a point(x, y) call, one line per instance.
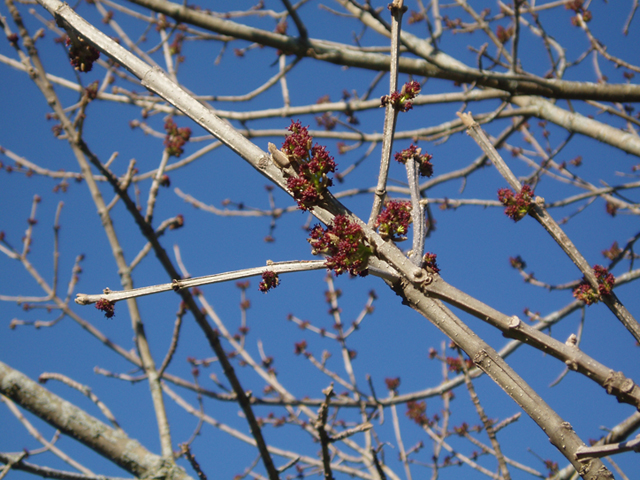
point(585, 291)
point(578, 7)
point(454, 364)
point(269, 280)
point(552, 467)
point(312, 165)
point(401, 100)
point(175, 48)
point(393, 222)
point(175, 138)
point(429, 260)
point(519, 204)
point(327, 121)
point(107, 307)
point(81, 54)
point(461, 430)
point(343, 243)
point(504, 34)
point(177, 222)
point(417, 411)
point(413, 152)
point(392, 383)
point(91, 92)
point(300, 347)
point(517, 262)
point(612, 252)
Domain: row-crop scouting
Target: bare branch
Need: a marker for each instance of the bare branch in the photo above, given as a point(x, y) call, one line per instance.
point(70, 420)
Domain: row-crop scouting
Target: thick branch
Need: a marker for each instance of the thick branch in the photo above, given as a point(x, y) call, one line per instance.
point(438, 66)
point(616, 384)
point(71, 420)
point(560, 433)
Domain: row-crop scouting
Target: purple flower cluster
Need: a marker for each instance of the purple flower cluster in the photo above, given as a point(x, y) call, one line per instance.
point(175, 138)
point(393, 222)
point(417, 411)
point(429, 260)
point(401, 100)
point(81, 54)
point(413, 152)
point(269, 280)
point(107, 307)
point(343, 243)
point(587, 294)
point(312, 164)
point(518, 205)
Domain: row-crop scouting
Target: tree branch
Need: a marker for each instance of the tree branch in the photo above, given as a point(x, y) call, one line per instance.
point(111, 443)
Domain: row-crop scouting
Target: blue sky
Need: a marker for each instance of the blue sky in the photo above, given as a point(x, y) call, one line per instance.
point(473, 246)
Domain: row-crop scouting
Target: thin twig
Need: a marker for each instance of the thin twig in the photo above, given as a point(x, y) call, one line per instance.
point(390, 114)
point(488, 425)
point(417, 212)
point(319, 425)
point(177, 285)
point(44, 377)
point(186, 451)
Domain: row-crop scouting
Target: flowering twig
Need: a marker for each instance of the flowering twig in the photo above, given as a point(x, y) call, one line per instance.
point(391, 112)
point(417, 213)
point(417, 165)
point(539, 212)
point(277, 267)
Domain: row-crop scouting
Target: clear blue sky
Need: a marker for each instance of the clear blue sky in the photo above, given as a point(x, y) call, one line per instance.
point(473, 246)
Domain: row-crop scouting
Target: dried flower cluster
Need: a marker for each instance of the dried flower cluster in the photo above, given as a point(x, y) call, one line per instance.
point(393, 222)
point(312, 164)
point(415, 153)
point(343, 243)
point(175, 138)
point(81, 54)
point(401, 100)
point(269, 280)
point(518, 205)
point(585, 291)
